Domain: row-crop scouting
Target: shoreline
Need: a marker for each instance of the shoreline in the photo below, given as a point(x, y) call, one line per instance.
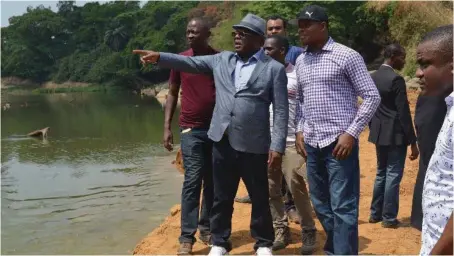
point(373, 239)
point(17, 86)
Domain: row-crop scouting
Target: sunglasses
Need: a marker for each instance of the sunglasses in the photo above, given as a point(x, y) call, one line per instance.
point(241, 34)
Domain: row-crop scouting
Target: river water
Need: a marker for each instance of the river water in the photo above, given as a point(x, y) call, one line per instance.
point(97, 185)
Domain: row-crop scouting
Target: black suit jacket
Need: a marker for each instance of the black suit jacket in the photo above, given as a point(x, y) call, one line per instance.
point(391, 124)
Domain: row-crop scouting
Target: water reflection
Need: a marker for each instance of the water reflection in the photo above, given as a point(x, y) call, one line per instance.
point(99, 183)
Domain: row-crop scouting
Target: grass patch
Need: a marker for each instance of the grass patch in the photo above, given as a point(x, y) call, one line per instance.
point(222, 34)
point(410, 20)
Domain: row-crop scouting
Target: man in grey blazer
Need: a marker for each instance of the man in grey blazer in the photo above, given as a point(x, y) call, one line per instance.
point(247, 82)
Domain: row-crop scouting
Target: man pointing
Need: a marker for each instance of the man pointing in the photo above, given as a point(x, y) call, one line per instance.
point(247, 82)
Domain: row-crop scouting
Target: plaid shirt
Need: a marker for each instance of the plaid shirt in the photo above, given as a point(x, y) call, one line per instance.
point(329, 83)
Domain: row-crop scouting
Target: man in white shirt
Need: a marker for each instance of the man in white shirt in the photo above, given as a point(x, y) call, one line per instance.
point(276, 46)
point(435, 58)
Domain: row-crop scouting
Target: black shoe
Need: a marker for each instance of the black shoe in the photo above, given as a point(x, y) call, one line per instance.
point(374, 220)
point(243, 200)
point(390, 224)
point(309, 242)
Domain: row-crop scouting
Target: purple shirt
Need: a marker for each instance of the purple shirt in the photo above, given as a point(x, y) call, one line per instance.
point(329, 83)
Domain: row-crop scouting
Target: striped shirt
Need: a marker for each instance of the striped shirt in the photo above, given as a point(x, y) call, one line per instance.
point(329, 83)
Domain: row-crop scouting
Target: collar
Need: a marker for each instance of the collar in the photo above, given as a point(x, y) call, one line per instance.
point(450, 99)
point(329, 45)
point(386, 65)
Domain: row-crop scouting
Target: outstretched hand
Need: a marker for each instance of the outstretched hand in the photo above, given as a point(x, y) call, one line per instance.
point(147, 56)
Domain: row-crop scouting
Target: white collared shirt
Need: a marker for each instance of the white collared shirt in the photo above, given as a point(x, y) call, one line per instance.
point(438, 194)
point(291, 88)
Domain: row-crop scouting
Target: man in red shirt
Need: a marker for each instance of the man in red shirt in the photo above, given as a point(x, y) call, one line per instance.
point(197, 104)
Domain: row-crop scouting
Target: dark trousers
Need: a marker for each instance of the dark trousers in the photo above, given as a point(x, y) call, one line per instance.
point(334, 191)
point(416, 207)
point(196, 149)
point(390, 168)
point(229, 166)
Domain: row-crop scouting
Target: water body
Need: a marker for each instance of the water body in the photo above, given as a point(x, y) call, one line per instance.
point(98, 184)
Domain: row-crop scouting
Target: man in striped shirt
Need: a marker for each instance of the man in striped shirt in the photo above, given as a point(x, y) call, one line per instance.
point(330, 77)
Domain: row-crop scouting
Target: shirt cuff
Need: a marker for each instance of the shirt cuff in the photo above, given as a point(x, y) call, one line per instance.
point(354, 130)
point(280, 148)
point(300, 126)
point(163, 57)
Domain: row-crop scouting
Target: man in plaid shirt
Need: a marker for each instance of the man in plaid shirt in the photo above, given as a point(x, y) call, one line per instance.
point(330, 77)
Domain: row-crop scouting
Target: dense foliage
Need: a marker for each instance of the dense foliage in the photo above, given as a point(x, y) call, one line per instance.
point(93, 43)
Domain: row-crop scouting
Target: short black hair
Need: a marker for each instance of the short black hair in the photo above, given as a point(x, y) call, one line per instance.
point(202, 21)
point(282, 41)
point(393, 50)
point(442, 36)
point(278, 17)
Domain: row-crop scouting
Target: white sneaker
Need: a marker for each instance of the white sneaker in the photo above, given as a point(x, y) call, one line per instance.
point(264, 251)
point(218, 250)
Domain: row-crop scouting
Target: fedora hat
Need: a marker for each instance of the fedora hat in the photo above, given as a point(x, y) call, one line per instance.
point(253, 23)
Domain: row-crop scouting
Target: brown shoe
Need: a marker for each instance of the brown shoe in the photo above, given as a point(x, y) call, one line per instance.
point(185, 249)
point(282, 238)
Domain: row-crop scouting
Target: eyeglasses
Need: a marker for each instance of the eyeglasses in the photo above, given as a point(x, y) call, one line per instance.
point(241, 34)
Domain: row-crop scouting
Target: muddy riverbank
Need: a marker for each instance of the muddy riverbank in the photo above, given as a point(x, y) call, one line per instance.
point(373, 238)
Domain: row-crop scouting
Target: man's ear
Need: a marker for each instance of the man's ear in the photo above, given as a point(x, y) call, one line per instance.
point(282, 50)
point(325, 26)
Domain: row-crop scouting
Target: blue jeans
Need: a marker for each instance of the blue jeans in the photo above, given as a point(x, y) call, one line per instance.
point(196, 149)
point(390, 168)
point(334, 191)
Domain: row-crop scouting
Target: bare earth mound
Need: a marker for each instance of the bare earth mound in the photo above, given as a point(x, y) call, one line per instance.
point(373, 239)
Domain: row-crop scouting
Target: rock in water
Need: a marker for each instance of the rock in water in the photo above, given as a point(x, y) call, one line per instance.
point(39, 133)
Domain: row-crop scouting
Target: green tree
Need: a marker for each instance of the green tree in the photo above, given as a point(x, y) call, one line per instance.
point(93, 43)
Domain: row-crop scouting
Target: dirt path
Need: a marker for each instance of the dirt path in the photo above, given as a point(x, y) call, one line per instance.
point(373, 239)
